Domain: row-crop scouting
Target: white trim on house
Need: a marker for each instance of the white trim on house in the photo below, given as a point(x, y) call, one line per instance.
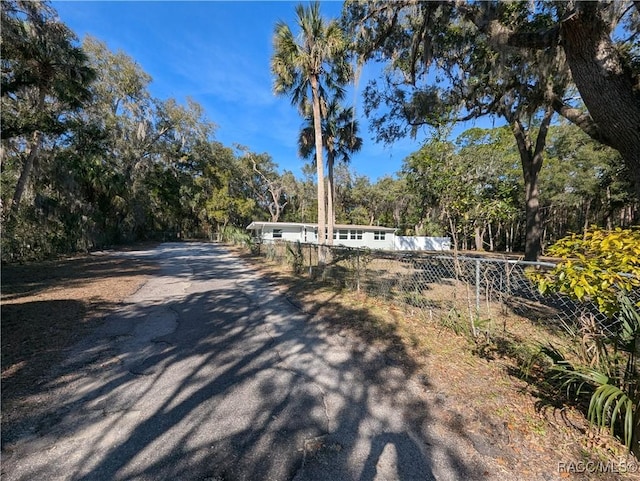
point(373, 237)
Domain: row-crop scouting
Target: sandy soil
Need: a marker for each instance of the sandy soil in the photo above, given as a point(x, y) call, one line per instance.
point(46, 308)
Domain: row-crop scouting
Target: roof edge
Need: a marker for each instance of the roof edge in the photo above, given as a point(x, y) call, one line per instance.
point(259, 224)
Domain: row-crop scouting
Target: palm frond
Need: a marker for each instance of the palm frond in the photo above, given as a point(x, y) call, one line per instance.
point(608, 400)
point(630, 323)
point(603, 399)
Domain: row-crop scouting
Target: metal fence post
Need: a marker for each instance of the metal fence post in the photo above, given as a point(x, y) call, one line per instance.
point(477, 289)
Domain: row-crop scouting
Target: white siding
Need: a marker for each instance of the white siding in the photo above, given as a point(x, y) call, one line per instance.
point(379, 240)
point(421, 243)
point(308, 235)
point(285, 233)
point(291, 235)
point(360, 237)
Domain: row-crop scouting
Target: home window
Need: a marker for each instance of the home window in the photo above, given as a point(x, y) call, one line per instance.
point(378, 235)
point(317, 234)
point(277, 233)
point(344, 234)
point(359, 234)
point(355, 234)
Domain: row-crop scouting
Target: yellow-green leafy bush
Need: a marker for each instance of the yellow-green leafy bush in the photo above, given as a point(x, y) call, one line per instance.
point(598, 265)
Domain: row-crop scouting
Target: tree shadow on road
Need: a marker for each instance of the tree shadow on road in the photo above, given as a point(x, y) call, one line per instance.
point(230, 381)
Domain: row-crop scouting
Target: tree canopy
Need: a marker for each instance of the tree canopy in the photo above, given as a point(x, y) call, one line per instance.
point(91, 158)
point(453, 61)
point(463, 60)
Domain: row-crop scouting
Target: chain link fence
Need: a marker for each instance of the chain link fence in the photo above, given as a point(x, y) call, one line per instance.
point(437, 286)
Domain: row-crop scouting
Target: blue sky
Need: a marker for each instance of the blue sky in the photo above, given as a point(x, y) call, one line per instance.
point(218, 53)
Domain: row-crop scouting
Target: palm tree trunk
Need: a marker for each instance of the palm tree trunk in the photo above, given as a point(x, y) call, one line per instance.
point(331, 215)
point(317, 127)
point(33, 148)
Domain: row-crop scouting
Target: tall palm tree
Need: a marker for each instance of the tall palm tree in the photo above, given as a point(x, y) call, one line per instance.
point(305, 67)
point(340, 139)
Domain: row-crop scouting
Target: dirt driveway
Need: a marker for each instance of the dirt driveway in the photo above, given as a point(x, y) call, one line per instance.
point(206, 372)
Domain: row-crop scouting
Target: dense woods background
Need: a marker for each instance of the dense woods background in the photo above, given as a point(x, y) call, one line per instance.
point(90, 159)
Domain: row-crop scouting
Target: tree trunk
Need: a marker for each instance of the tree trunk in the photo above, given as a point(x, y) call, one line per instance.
point(608, 211)
point(606, 85)
point(465, 238)
point(479, 234)
point(397, 216)
point(585, 224)
point(532, 244)
point(453, 231)
point(34, 147)
point(277, 209)
point(531, 160)
point(317, 127)
point(331, 215)
point(491, 245)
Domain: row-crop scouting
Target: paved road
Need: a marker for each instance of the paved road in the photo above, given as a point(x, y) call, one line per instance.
point(207, 373)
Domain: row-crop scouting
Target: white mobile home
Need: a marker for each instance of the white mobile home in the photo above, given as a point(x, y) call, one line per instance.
point(373, 237)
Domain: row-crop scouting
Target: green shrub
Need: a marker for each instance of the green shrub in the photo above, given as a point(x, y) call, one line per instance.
point(237, 236)
point(602, 266)
point(597, 265)
point(295, 257)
